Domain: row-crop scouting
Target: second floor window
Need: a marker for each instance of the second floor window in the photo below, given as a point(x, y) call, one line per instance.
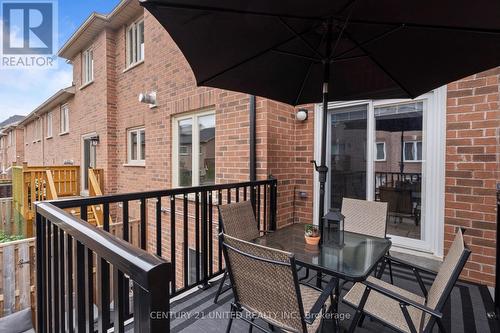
point(413, 151)
point(194, 150)
point(136, 146)
point(49, 125)
point(37, 132)
point(380, 151)
point(135, 43)
point(64, 119)
point(87, 66)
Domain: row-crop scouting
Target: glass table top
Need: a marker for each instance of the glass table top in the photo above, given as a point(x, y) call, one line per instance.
point(352, 258)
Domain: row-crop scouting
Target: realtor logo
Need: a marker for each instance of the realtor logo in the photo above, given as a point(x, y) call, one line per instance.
point(29, 33)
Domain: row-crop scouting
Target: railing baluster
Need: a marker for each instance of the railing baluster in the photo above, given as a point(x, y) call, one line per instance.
point(158, 226)
point(103, 288)
point(41, 275)
point(172, 241)
point(62, 290)
point(125, 227)
point(219, 248)
point(143, 223)
point(258, 208)
point(228, 195)
point(204, 241)
point(69, 282)
point(49, 276)
point(105, 212)
point(197, 235)
point(265, 222)
point(80, 307)
point(210, 234)
point(244, 193)
point(89, 289)
point(237, 194)
point(119, 301)
point(55, 276)
point(185, 240)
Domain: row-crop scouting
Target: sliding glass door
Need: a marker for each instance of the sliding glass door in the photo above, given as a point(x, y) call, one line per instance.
point(377, 150)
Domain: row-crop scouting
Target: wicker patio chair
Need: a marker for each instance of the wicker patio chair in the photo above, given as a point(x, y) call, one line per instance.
point(266, 286)
point(237, 220)
point(402, 310)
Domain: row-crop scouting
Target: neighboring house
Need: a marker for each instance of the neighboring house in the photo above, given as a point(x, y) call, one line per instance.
point(11, 145)
point(449, 137)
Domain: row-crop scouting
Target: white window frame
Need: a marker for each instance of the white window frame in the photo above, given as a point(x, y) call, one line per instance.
point(415, 149)
point(38, 130)
point(132, 40)
point(195, 180)
point(384, 149)
point(138, 161)
point(10, 139)
point(433, 171)
point(87, 66)
point(49, 119)
point(64, 119)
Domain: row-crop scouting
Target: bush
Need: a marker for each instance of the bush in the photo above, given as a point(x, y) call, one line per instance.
point(4, 238)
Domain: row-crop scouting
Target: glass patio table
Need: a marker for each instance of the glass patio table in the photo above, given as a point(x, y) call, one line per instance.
point(352, 258)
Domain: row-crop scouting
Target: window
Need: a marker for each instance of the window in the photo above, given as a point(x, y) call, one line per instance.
point(380, 151)
point(194, 149)
point(10, 138)
point(413, 151)
point(87, 66)
point(136, 146)
point(37, 132)
point(64, 119)
point(49, 125)
point(135, 43)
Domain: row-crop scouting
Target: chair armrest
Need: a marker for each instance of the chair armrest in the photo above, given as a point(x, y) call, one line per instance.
point(402, 299)
point(404, 263)
point(320, 302)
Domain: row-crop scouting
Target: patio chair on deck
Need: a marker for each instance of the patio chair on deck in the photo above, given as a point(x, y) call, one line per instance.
point(367, 218)
point(402, 310)
point(266, 286)
point(238, 220)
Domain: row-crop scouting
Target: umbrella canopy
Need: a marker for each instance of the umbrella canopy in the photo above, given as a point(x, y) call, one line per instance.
point(300, 52)
point(378, 49)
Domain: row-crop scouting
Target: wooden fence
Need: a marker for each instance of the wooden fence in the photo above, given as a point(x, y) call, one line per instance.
point(17, 276)
point(7, 218)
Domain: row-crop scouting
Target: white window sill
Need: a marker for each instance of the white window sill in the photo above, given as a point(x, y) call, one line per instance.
point(136, 165)
point(48, 138)
point(134, 65)
point(85, 85)
point(63, 133)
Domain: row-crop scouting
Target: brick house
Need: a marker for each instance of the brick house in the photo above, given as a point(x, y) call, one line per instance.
point(454, 149)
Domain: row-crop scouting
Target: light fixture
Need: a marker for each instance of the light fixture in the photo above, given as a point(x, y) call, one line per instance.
point(301, 114)
point(148, 98)
point(94, 141)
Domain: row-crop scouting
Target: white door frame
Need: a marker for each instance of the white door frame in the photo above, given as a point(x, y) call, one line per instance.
point(434, 124)
point(83, 191)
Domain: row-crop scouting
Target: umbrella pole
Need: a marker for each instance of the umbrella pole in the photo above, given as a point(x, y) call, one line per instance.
point(323, 169)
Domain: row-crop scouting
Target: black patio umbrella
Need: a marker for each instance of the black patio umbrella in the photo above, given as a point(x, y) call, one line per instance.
point(299, 51)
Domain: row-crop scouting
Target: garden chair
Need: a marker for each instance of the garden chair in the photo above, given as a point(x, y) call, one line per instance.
point(265, 286)
point(402, 310)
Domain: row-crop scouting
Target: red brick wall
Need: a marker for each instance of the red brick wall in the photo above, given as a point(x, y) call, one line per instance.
point(472, 169)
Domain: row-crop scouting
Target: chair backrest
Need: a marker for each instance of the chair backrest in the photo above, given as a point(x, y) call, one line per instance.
point(365, 217)
point(238, 220)
point(448, 274)
point(265, 282)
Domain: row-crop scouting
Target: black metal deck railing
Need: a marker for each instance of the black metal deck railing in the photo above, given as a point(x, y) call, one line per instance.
point(182, 224)
point(77, 266)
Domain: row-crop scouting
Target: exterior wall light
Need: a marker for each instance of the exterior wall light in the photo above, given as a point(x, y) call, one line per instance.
point(301, 114)
point(94, 141)
point(148, 98)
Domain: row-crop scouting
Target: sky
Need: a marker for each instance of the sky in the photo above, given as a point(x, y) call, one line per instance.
point(22, 90)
